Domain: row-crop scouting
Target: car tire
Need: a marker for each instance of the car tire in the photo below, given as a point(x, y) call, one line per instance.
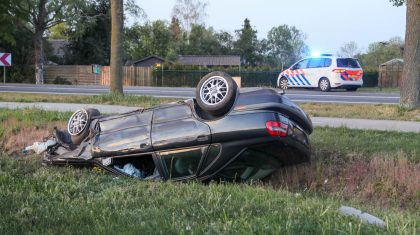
point(283, 83)
point(79, 122)
point(216, 93)
point(324, 84)
point(351, 89)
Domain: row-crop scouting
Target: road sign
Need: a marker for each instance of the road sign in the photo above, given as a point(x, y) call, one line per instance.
point(5, 59)
point(96, 69)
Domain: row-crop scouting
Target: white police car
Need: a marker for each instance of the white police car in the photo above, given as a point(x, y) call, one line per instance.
point(325, 72)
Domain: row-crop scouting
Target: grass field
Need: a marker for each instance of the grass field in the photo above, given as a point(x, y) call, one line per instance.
point(126, 100)
point(364, 111)
point(378, 172)
point(385, 112)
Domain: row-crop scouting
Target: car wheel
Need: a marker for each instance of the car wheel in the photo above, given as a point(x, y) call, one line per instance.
point(79, 122)
point(351, 89)
point(283, 84)
point(216, 93)
point(324, 84)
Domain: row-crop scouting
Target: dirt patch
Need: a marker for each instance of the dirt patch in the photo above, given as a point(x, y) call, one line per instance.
point(381, 180)
point(18, 138)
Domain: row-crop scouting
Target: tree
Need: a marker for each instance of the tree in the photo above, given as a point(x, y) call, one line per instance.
point(189, 12)
point(410, 88)
point(59, 31)
point(225, 40)
point(349, 49)
point(117, 50)
point(89, 37)
point(381, 52)
point(41, 16)
point(149, 39)
point(285, 45)
point(9, 19)
point(247, 44)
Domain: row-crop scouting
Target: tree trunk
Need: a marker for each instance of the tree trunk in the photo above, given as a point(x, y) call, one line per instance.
point(39, 57)
point(117, 12)
point(410, 88)
point(38, 41)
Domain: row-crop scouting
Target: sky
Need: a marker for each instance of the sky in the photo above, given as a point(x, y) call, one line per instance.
point(328, 24)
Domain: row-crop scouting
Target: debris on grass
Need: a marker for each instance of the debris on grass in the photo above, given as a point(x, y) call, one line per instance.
point(365, 217)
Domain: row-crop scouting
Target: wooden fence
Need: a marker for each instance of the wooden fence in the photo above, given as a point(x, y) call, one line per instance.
point(82, 75)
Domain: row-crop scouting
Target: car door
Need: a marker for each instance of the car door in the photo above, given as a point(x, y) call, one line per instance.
point(124, 134)
point(179, 140)
point(317, 69)
point(298, 74)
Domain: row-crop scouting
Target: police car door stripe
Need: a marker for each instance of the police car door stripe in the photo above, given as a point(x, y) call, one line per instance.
point(289, 77)
point(294, 79)
point(303, 76)
point(290, 80)
point(296, 75)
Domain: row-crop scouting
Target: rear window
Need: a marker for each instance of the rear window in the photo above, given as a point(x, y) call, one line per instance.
point(319, 63)
point(347, 63)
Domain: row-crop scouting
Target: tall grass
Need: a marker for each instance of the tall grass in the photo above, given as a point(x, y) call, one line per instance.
point(67, 200)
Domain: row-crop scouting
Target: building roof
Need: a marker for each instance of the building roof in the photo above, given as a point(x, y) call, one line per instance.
point(221, 60)
point(59, 46)
point(393, 61)
point(133, 62)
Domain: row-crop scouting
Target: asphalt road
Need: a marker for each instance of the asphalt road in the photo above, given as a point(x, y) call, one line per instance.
point(297, 95)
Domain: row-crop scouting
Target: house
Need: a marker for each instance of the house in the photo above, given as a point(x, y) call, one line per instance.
point(390, 73)
point(148, 61)
point(59, 47)
point(210, 60)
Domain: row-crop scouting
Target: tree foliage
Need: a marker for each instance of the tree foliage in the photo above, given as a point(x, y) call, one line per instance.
point(89, 39)
point(285, 45)
point(247, 44)
point(149, 39)
point(349, 49)
point(381, 52)
point(189, 12)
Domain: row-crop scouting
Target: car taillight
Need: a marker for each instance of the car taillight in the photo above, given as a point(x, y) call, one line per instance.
point(276, 128)
point(339, 70)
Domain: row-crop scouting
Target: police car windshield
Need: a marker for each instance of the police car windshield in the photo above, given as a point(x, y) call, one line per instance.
point(347, 63)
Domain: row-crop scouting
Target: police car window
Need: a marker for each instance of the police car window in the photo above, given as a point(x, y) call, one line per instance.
point(347, 63)
point(327, 62)
point(301, 65)
point(316, 63)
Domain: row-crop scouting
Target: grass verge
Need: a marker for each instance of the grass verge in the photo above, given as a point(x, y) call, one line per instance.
point(384, 112)
point(375, 171)
point(363, 111)
point(380, 90)
point(55, 200)
point(113, 99)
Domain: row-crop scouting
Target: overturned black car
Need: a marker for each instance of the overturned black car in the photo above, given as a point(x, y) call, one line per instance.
point(222, 134)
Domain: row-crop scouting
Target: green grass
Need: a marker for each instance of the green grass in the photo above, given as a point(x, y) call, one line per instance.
point(384, 112)
point(362, 111)
point(367, 143)
point(377, 89)
point(55, 200)
point(113, 99)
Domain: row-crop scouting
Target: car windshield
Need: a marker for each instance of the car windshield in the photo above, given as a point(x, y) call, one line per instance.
point(347, 63)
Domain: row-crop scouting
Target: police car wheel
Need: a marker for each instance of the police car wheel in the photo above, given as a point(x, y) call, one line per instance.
point(283, 83)
point(324, 84)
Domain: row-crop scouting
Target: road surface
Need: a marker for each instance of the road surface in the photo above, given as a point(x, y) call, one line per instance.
point(338, 96)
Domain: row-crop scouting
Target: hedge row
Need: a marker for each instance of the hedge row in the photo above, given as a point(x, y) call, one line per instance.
point(190, 78)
